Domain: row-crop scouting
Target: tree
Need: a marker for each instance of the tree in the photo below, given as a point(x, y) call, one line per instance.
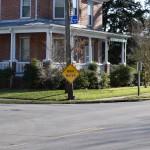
point(141, 36)
point(118, 16)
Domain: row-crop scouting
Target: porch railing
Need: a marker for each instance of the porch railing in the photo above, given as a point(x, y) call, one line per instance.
point(20, 66)
point(4, 65)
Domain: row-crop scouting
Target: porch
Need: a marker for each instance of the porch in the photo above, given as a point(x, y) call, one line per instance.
point(19, 66)
point(21, 43)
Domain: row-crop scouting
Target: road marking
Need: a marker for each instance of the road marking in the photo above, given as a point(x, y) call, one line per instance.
point(83, 131)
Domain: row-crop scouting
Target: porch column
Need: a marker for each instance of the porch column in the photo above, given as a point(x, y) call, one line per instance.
point(99, 59)
point(106, 52)
point(72, 48)
point(106, 63)
point(123, 55)
point(13, 48)
point(90, 50)
point(48, 46)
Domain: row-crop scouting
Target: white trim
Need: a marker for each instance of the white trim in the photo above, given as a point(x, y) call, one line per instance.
point(21, 5)
point(90, 50)
point(48, 46)
point(106, 52)
point(125, 53)
point(122, 54)
point(61, 29)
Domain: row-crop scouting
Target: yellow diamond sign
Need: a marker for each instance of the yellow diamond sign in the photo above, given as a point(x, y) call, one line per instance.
point(70, 73)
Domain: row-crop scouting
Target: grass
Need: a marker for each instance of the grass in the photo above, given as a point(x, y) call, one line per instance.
point(59, 96)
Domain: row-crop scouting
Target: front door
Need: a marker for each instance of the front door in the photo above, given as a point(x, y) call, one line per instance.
point(25, 49)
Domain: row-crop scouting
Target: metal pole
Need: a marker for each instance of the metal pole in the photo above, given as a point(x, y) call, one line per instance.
point(139, 82)
point(68, 49)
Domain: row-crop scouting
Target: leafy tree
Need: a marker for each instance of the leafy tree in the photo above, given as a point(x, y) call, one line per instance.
point(141, 37)
point(118, 16)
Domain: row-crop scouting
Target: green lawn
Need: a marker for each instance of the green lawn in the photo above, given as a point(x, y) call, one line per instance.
point(59, 96)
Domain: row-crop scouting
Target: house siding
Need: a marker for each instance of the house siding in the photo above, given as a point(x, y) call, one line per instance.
point(5, 47)
point(97, 16)
point(45, 11)
point(10, 10)
point(37, 45)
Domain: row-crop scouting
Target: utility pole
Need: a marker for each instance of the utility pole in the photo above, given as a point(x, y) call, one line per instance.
point(68, 48)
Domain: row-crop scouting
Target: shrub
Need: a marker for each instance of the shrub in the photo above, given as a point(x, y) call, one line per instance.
point(92, 66)
point(93, 78)
point(52, 78)
point(104, 81)
point(81, 81)
point(121, 76)
point(32, 74)
point(6, 77)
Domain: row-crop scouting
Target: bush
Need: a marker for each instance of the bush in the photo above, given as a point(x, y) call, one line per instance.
point(93, 78)
point(32, 74)
point(121, 76)
point(92, 66)
point(104, 81)
point(6, 77)
point(52, 78)
point(81, 81)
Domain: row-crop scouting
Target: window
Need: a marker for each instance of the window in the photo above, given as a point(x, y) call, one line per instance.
point(25, 49)
point(59, 9)
point(25, 8)
point(75, 7)
point(58, 53)
point(90, 13)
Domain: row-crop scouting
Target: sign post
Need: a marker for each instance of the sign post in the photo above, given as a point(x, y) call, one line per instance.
point(139, 68)
point(68, 49)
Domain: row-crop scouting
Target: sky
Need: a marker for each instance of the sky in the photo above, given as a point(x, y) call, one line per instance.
point(141, 1)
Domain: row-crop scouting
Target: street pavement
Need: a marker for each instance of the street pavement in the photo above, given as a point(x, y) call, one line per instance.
point(112, 126)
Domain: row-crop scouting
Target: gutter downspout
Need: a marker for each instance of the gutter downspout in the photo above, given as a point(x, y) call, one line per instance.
point(36, 9)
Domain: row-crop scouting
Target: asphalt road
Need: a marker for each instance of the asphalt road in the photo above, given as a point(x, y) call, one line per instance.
point(116, 126)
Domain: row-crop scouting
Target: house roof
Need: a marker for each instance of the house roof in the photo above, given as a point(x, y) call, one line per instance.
point(44, 25)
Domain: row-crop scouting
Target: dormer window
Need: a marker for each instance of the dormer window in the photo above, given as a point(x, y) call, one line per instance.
point(90, 13)
point(59, 9)
point(25, 8)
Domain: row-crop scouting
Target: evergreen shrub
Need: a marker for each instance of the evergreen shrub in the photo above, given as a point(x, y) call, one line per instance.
point(93, 66)
point(6, 77)
point(32, 74)
point(121, 76)
point(52, 78)
point(104, 81)
point(81, 81)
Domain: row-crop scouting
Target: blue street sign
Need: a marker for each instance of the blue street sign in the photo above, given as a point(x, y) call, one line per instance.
point(73, 19)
